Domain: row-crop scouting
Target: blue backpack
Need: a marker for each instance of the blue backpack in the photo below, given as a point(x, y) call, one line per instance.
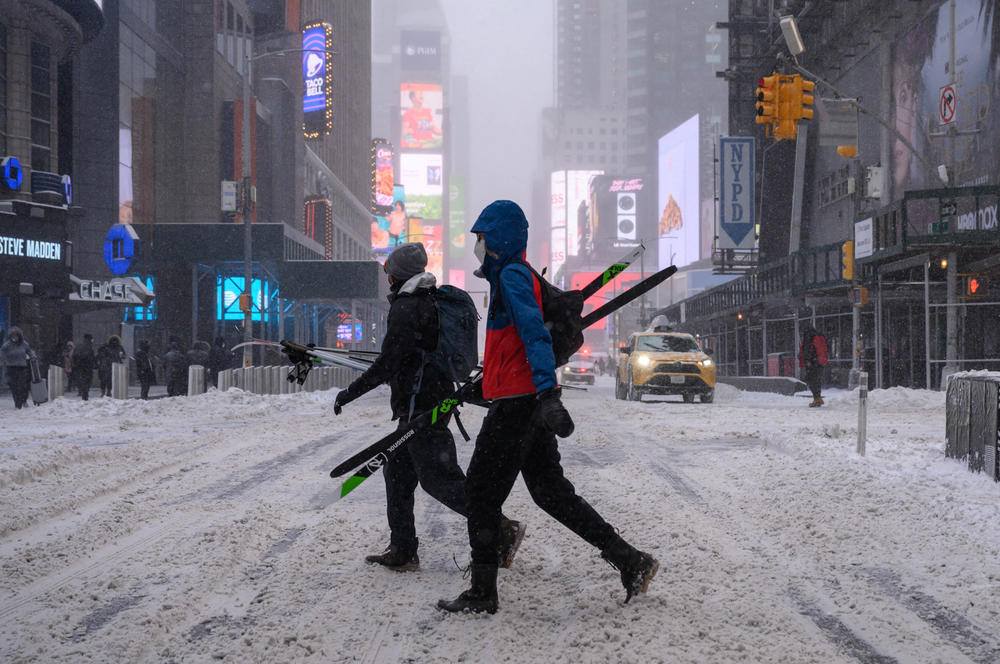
point(457, 351)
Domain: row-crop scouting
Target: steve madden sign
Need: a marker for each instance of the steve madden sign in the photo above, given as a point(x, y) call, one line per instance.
point(119, 291)
point(25, 248)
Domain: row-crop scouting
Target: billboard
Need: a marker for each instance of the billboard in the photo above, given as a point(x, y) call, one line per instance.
point(422, 109)
point(430, 234)
point(558, 252)
point(678, 195)
point(383, 176)
point(922, 87)
point(615, 222)
point(228, 290)
point(317, 80)
point(570, 205)
point(389, 230)
point(420, 50)
point(456, 210)
point(422, 175)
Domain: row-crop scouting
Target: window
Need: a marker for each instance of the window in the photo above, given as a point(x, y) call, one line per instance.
point(230, 26)
point(239, 44)
point(41, 106)
point(220, 25)
point(3, 89)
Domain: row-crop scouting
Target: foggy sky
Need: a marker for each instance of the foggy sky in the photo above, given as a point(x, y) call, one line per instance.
point(505, 50)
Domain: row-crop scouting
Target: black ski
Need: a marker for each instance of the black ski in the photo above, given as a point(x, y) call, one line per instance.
point(377, 447)
point(619, 301)
point(378, 453)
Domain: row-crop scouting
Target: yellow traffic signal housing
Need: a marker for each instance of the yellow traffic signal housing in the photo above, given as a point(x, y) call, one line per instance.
point(767, 99)
point(847, 260)
point(805, 100)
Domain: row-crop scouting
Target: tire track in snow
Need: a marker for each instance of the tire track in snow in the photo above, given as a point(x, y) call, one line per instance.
point(838, 632)
point(974, 642)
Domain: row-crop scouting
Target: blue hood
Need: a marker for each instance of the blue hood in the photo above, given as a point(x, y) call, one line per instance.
point(505, 228)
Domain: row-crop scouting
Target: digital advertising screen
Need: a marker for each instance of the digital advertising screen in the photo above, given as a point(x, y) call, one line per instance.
point(383, 176)
point(389, 231)
point(422, 115)
point(456, 210)
point(430, 234)
point(317, 80)
point(422, 175)
point(678, 195)
point(570, 204)
point(558, 256)
point(618, 219)
point(228, 290)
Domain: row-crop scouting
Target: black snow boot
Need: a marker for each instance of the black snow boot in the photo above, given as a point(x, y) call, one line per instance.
point(480, 598)
point(637, 568)
point(511, 534)
point(396, 558)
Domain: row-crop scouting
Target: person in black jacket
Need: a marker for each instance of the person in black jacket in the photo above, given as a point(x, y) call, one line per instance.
point(144, 368)
point(429, 458)
point(175, 367)
point(108, 354)
point(218, 360)
point(83, 366)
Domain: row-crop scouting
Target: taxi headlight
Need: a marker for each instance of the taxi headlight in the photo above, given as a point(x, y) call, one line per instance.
point(706, 363)
point(643, 360)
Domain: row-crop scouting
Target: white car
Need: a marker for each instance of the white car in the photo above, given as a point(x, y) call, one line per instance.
point(579, 369)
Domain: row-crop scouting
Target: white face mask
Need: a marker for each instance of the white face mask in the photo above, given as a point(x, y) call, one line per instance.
point(480, 250)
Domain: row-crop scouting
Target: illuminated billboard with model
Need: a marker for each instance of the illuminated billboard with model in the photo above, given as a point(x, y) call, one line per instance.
point(678, 196)
point(422, 109)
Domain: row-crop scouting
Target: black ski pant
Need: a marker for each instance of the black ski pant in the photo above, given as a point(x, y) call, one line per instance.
point(18, 378)
point(430, 460)
point(814, 379)
point(144, 383)
point(83, 384)
point(513, 440)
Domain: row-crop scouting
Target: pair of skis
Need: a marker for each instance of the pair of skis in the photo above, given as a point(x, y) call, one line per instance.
point(378, 453)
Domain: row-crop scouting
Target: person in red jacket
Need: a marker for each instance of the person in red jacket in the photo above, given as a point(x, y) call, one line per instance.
point(813, 358)
point(518, 435)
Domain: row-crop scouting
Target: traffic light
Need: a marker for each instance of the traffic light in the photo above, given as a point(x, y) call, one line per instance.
point(847, 260)
point(802, 104)
point(974, 285)
point(767, 101)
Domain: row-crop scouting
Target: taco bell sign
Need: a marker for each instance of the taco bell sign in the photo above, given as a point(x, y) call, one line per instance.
point(736, 193)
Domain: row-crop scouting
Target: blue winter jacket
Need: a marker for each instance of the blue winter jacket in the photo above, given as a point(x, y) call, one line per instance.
point(518, 357)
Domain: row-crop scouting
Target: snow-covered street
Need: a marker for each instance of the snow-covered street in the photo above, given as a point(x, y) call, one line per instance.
point(193, 529)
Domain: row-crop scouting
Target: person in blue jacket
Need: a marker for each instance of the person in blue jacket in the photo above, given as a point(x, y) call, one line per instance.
point(525, 415)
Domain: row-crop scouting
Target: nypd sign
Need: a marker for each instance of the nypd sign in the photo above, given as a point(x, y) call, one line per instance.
point(736, 193)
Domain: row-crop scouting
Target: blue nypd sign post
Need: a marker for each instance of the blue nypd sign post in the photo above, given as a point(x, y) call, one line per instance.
point(736, 193)
point(121, 247)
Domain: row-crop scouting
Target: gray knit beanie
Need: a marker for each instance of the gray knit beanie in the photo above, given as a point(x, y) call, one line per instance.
point(406, 260)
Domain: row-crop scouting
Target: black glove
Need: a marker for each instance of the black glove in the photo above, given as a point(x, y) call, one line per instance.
point(554, 414)
point(341, 400)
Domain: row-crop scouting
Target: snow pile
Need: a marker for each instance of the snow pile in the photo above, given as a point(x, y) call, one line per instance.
point(187, 529)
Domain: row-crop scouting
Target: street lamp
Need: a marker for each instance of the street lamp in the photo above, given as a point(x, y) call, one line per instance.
point(247, 203)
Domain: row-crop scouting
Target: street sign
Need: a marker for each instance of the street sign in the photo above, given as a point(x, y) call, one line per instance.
point(736, 193)
point(228, 196)
point(947, 105)
point(947, 207)
point(838, 121)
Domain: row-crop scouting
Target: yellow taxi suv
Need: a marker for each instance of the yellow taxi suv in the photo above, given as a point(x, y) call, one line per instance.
point(664, 363)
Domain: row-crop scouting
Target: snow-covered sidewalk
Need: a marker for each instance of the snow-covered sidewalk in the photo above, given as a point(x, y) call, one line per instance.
point(193, 529)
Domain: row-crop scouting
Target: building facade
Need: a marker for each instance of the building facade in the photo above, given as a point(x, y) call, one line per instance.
point(908, 301)
point(39, 43)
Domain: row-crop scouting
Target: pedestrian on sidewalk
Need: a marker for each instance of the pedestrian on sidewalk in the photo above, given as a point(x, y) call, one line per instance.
point(83, 366)
point(429, 458)
point(108, 354)
point(144, 368)
point(15, 353)
point(813, 358)
point(525, 416)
